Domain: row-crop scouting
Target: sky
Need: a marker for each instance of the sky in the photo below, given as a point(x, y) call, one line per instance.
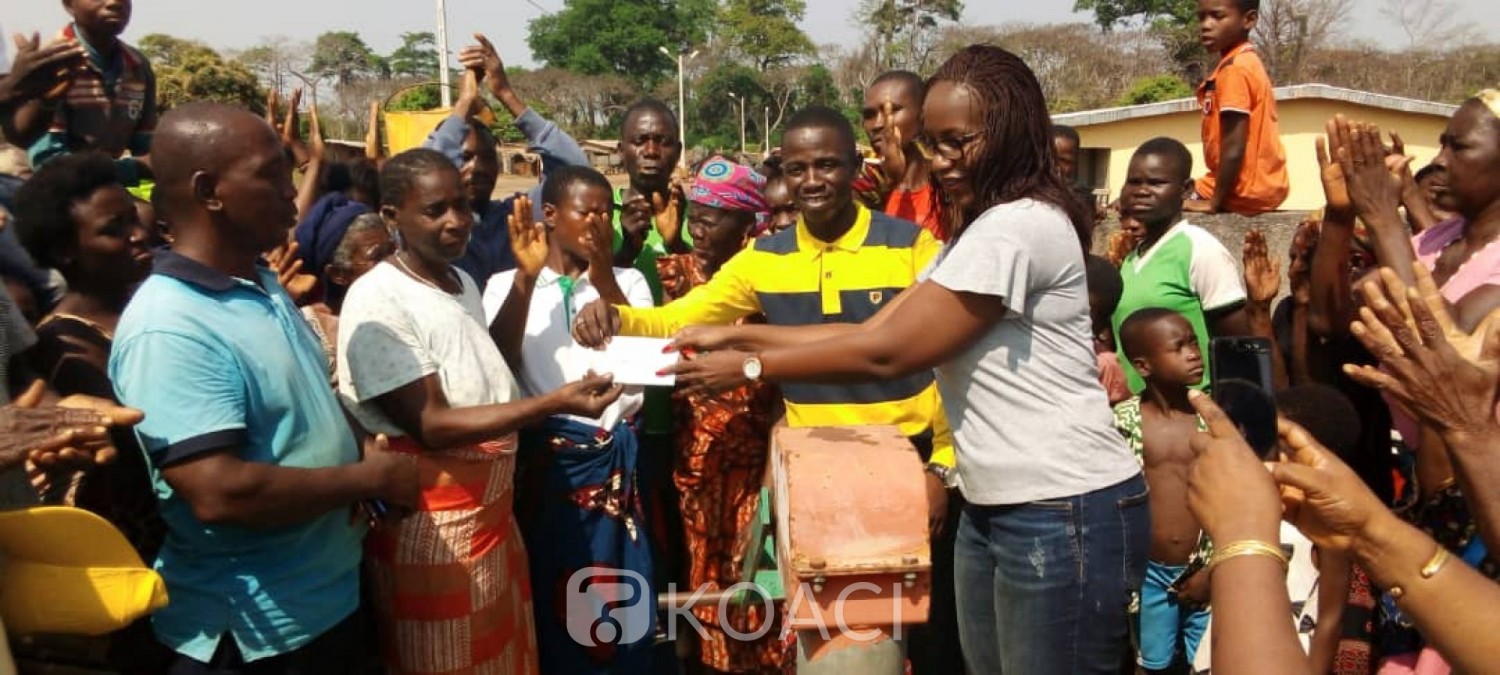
point(236, 24)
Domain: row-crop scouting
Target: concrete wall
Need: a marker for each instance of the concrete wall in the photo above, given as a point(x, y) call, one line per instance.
point(1301, 121)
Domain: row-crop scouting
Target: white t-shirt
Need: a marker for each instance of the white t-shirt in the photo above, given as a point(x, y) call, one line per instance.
point(1030, 419)
point(394, 330)
point(548, 351)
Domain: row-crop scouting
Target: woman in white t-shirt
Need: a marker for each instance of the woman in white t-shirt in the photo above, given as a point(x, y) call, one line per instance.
point(416, 362)
point(1052, 543)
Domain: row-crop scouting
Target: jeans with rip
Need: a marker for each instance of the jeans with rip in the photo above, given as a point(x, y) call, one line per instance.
point(1047, 585)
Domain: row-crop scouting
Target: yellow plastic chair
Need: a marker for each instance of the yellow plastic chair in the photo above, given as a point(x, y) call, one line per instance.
point(69, 571)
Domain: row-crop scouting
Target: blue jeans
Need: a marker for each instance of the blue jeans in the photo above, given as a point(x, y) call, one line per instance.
point(1046, 586)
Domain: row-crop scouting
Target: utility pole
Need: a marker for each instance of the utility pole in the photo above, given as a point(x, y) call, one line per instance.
point(682, 58)
point(741, 102)
point(765, 148)
point(442, 49)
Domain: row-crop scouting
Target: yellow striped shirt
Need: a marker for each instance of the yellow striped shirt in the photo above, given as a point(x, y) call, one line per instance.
point(796, 279)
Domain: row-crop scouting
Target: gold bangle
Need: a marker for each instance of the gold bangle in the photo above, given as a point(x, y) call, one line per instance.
point(1250, 547)
point(1435, 565)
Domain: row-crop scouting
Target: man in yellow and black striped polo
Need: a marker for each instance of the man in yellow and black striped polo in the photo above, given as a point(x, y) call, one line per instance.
point(839, 266)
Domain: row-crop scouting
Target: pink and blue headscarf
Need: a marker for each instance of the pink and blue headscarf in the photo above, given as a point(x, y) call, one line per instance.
point(723, 184)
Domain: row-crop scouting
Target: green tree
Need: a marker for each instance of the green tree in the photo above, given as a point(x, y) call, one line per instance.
point(620, 37)
point(904, 33)
point(343, 57)
point(765, 31)
point(416, 57)
point(187, 70)
point(715, 118)
point(818, 88)
point(1175, 23)
point(1155, 89)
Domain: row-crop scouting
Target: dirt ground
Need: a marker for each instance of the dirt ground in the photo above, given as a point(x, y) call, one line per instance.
point(508, 185)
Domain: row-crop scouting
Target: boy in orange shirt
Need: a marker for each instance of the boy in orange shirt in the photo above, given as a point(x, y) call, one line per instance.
point(1241, 142)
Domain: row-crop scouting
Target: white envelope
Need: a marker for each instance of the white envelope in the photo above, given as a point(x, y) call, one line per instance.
point(632, 360)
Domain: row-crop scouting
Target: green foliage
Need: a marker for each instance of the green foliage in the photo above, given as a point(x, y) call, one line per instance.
point(818, 88)
point(188, 70)
point(416, 57)
point(424, 97)
point(903, 33)
point(765, 31)
point(715, 114)
point(343, 57)
point(1109, 13)
point(620, 37)
point(1155, 89)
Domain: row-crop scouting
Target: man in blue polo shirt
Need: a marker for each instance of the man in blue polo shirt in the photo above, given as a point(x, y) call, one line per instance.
point(255, 465)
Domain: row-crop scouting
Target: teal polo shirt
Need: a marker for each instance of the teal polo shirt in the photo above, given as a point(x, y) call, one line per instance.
point(217, 363)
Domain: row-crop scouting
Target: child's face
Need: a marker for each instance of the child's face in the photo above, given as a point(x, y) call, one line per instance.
point(1172, 355)
point(783, 209)
point(1067, 158)
point(578, 221)
point(1221, 24)
point(100, 17)
point(1154, 190)
point(435, 220)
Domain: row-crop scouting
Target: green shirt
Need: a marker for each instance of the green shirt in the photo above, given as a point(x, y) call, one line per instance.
point(1189, 272)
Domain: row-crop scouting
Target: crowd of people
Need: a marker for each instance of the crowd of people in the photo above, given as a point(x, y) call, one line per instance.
point(344, 402)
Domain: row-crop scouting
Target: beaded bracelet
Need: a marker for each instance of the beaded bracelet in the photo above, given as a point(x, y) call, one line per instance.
point(1250, 547)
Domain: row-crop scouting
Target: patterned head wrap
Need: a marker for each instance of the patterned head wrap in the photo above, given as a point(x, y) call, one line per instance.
point(1491, 99)
point(723, 184)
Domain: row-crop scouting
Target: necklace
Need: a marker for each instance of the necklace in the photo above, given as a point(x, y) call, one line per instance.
point(402, 264)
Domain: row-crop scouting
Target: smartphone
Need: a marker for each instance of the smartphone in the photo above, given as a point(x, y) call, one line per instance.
point(1240, 373)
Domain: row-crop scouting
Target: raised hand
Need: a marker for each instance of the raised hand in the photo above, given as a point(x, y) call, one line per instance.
point(1335, 188)
point(1449, 384)
point(1262, 273)
point(469, 102)
point(528, 239)
point(636, 219)
point(600, 242)
point(667, 215)
point(316, 147)
point(372, 133)
point(283, 260)
point(40, 71)
point(1374, 186)
point(291, 126)
point(273, 105)
point(893, 151)
point(485, 61)
point(589, 396)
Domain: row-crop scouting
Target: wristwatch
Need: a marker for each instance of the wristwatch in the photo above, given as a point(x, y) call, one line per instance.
point(947, 474)
point(752, 368)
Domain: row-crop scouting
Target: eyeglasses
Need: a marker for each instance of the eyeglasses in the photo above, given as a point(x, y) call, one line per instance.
point(949, 148)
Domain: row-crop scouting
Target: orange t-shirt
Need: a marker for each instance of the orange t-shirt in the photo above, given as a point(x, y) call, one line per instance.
point(1240, 84)
point(918, 206)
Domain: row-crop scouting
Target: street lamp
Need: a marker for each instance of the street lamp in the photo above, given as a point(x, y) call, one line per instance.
point(442, 50)
point(741, 101)
point(765, 149)
point(682, 56)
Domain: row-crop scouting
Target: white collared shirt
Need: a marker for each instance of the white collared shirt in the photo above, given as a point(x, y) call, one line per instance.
point(547, 351)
